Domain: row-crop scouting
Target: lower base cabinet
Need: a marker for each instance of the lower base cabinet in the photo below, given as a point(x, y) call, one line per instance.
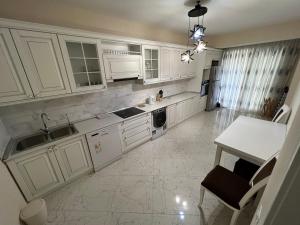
point(185, 109)
point(73, 157)
point(171, 116)
point(48, 168)
point(136, 131)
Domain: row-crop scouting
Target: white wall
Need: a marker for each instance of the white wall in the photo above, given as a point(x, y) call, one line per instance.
point(277, 184)
point(66, 14)
point(194, 84)
point(11, 200)
point(276, 32)
point(293, 98)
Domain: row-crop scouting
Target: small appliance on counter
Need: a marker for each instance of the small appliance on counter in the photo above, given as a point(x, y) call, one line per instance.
point(150, 100)
point(159, 125)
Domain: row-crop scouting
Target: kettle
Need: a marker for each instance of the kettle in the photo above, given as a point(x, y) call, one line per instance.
point(151, 99)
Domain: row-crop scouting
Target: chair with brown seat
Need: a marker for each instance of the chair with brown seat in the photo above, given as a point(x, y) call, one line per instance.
point(233, 190)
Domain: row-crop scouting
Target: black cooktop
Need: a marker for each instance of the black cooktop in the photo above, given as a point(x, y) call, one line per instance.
point(125, 113)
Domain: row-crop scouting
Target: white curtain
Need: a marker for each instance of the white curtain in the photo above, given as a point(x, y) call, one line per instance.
point(252, 73)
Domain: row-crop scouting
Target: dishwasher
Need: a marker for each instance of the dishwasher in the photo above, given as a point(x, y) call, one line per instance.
point(105, 146)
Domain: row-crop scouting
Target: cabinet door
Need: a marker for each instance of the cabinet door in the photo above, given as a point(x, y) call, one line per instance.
point(37, 173)
point(122, 66)
point(171, 115)
point(73, 157)
point(43, 63)
point(151, 63)
point(180, 112)
point(176, 64)
point(187, 109)
point(14, 85)
point(165, 64)
point(105, 146)
point(84, 63)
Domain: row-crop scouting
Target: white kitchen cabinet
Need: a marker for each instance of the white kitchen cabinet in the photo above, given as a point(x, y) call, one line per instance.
point(84, 63)
point(48, 168)
point(176, 63)
point(105, 146)
point(189, 108)
point(136, 131)
point(187, 70)
point(166, 63)
point(73, 157)
point(171, 116)
point(37, 173)
point(14, 85)
point(151, 63)
point(122, 66)
point(180, 111)
point(42, 60)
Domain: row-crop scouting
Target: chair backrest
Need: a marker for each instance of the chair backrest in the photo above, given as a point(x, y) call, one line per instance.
point(260, 178)
point(282, 114)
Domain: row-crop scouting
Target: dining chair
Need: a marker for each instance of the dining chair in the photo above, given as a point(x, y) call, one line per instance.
point(234, 191)
point(282, 114)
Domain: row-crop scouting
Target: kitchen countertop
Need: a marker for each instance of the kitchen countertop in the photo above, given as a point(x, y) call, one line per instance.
point(102, 121)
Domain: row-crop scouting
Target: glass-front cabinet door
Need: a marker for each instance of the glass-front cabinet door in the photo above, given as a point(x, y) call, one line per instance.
point(83, 62)
point(151, 63)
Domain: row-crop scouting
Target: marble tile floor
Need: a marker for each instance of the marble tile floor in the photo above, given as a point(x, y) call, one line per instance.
point(154, 184)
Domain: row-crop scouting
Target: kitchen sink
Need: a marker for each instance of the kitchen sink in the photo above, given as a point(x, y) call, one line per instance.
point(42, 138)
point(32, 141)
point(62, 132)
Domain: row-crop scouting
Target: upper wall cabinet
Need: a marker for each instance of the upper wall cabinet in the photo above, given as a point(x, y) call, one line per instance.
point(170, 64)
point(14, 85)
point(187, 69)
point(166, 64)
point(151, 63)
point(177, 63)
point(83, 59)
point(42, 61)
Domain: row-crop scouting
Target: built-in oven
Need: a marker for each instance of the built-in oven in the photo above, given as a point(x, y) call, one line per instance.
point(159, 122)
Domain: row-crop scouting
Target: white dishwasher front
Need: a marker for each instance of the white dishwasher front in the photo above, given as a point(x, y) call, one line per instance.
point(105, 146)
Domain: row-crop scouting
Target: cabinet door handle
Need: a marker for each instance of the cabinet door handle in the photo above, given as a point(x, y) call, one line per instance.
point(50, 149)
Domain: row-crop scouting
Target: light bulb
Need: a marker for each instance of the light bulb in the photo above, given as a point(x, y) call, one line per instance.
point(200, 46)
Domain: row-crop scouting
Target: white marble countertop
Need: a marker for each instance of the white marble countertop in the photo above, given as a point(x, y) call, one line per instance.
point(104, 120)
point(108, 119)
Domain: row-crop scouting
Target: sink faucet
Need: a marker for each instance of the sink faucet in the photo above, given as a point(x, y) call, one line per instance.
point(43, 117)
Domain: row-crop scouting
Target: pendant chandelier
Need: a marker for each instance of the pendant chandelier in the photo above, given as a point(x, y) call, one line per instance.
point(196, 34)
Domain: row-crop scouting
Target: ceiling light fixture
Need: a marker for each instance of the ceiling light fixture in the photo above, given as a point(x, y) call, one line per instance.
point(187, 56)
point(196, 34)
point(200, 46)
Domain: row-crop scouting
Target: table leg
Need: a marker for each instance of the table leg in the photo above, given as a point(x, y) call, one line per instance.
point(218, 156)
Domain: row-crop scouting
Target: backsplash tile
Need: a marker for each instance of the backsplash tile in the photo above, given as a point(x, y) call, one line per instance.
point(24, 119)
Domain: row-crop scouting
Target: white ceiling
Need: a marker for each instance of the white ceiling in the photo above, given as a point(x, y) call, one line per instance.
point(223, 15)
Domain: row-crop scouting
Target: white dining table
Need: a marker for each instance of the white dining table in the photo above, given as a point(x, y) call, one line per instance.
point(252, 139)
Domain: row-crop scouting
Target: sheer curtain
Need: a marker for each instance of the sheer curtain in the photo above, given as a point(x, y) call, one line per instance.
point(250, 74)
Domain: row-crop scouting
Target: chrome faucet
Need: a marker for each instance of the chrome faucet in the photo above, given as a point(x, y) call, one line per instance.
point(43, 117)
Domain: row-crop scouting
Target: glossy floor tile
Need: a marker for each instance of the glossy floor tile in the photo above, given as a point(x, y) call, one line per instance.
point(155, 184)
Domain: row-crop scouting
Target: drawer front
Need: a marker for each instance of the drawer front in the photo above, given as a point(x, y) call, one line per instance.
point(137, 139)
point(128, 124)
point(128, 132)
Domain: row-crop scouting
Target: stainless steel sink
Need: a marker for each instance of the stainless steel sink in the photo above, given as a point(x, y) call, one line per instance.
point(31, 141)
point(42, 138)
point(62, 132)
